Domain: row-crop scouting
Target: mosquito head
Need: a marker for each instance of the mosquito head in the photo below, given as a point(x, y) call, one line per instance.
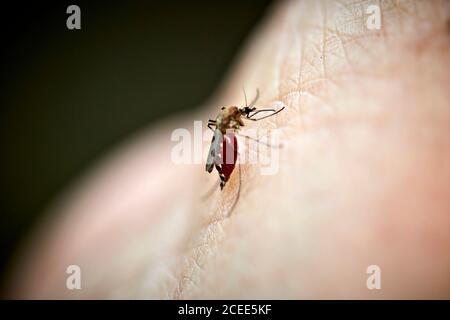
point(247, 110)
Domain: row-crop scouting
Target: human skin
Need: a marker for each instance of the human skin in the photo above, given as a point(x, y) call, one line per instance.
point(363, 176)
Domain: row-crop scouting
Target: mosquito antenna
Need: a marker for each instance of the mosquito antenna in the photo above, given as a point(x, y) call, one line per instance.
point(254, 100)
point(245, 96)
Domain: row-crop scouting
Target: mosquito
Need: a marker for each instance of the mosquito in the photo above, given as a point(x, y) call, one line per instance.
point(223, 152)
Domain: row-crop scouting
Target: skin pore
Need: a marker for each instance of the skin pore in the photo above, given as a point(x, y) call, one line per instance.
point(363, 176)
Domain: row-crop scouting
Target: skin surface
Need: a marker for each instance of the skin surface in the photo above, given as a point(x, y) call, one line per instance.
point(363, 176)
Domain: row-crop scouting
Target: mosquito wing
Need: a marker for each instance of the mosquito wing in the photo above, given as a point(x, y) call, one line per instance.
point(214, 154)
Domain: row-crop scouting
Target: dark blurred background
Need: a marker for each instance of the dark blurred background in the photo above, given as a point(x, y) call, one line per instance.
point(67, 96)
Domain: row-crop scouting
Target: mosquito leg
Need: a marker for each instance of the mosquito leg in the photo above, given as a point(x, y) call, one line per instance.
point(260, 110)
point(238, 194)
point(259, 141)
point(209, 126)
point(274, 112)
point(210, 191)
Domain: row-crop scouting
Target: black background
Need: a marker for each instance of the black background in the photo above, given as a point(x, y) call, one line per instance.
point(66, 96)
point(279, 309)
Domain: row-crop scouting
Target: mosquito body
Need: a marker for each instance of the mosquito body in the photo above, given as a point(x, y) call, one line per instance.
point(223, 152)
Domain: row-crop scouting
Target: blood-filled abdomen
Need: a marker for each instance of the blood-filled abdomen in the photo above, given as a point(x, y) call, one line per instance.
point(229, 154)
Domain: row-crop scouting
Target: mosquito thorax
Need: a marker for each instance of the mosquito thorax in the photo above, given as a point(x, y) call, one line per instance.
point(229, 118)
